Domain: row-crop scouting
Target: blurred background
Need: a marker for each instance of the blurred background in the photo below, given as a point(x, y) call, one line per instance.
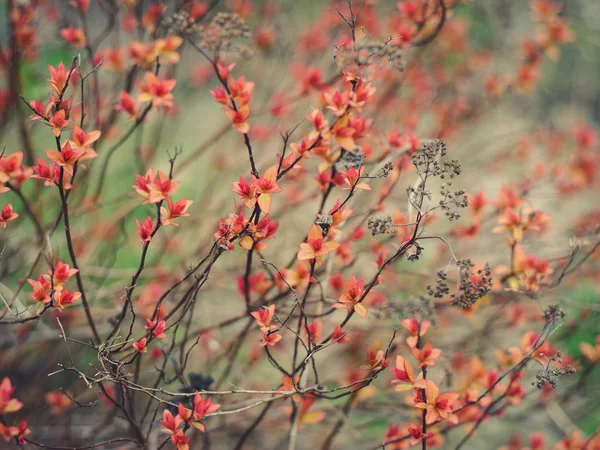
point(531, 131)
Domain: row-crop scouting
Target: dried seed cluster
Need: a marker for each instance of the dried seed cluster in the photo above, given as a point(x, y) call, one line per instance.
point(227, 32)
point(452, 200)
point(554, 314)
point(471, 285)
point(441, 288)
point(414, 252)
point(418, 193)
point(182, 23)
point(386, 170)
point(324, 222)
point(352, 158)
point(551, 375)
point(381, 225)
point(429, 162)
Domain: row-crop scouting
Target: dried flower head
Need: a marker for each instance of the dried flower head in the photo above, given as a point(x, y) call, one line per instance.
point(386, 170)
point(381, 225)
point(182, 23)
point(227, 32)
point(550, 375)
point(324, 222)
point(351, 158)
point(554, 314)
point(471, 285)
point(413, 252)
point(441, 288)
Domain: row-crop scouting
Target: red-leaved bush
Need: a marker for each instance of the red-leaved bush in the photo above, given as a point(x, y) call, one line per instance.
point(283, 224)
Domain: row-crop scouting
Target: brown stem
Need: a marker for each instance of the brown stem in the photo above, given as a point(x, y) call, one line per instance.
point(65, 213)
